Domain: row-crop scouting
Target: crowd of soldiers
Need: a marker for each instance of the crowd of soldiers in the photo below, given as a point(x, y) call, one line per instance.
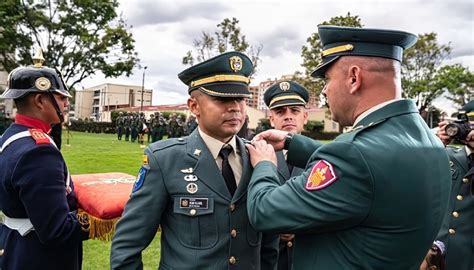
point(135, 125)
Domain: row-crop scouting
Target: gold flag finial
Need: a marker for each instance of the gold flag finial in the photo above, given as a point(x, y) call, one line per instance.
point(38, 58)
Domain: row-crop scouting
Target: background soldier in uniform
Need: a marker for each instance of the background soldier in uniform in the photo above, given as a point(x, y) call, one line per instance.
point(120, 125)
point(128, 126)
point(286, 101)
point(457, 231)
point(40, 229)
point(196, 187)
point(374, 198)
point(191, 125)
point(134, 127)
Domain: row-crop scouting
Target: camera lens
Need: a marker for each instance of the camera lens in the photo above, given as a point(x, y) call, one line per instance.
point(452, 130)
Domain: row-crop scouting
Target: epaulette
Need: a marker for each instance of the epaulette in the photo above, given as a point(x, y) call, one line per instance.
point(167, 143)
point(353, 132)
point(39, 136)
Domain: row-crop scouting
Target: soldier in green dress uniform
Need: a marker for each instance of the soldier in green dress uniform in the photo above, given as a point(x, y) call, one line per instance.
point(195, 187)
point(286, 101)
point(375, 197)
point(457, 231)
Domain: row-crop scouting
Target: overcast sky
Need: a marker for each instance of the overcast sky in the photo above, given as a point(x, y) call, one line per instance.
point(164, 31)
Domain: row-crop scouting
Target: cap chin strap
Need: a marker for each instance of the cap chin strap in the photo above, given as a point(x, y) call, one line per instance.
point(56, 107)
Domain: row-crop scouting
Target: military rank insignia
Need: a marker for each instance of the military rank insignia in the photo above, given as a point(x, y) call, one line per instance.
point(322, 175)
point(39, 136)
point(140, 179)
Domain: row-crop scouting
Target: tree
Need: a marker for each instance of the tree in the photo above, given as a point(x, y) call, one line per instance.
point(311, 53)
point(77, 37)
point(458, 82)
point(228, 37)
point(420, 70)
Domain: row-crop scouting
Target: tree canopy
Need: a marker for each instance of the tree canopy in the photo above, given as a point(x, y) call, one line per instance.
point(227, 37)
point(78, 37)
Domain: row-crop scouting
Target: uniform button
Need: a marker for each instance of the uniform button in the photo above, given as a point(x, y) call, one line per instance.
point(192, 212)
point(232, 207)
point(233, 233)
point(451, 231)
point(1, 252)
point(455, 214)
point(232, 260)
point(459, 198)
point(465, 180)
point(289, 244)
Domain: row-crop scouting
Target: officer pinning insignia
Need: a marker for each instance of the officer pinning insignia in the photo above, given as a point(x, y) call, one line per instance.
point(197, 152)
point(322, 175)
point(140, 179)
point(39, 136)
point(187, 170)
point(197, 203)
point(192, 188)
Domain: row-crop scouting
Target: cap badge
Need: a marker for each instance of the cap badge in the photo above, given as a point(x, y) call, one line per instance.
point(235, 63)
point(42, 83)
point(285, 86)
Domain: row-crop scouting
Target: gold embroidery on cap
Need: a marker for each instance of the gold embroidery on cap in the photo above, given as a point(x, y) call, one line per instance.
point(235, 63)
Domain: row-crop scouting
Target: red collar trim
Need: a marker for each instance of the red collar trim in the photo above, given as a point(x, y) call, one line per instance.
point(28, 121)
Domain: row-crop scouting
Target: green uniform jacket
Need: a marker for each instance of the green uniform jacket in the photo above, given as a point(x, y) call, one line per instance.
point(457, 231)
point(285, 254)
point(385, 207)
point(201, 229)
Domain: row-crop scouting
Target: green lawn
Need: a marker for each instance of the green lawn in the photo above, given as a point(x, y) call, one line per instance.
point(98, 153)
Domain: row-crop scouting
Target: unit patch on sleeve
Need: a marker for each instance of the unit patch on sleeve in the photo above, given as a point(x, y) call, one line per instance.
point(140, 179)
point(321, 176)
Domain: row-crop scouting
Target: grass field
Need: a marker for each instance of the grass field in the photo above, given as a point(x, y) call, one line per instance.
point(98, 153)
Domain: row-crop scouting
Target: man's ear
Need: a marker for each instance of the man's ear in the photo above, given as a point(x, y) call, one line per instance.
point(193, 106)
point(38, 100)
point(355, 79)
point(271, 120)
point(305, 117)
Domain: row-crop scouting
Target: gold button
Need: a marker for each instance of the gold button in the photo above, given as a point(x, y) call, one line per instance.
point(232, 207)
point(451, 231)
point(192, 212)
point(1, 252)
point(465, 180)
point(459, 198)
point(289, 244)
point(455, 214)
point(232, 260)
point(233, 233)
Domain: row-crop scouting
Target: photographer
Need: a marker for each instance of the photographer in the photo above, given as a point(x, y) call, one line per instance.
point(457, 231)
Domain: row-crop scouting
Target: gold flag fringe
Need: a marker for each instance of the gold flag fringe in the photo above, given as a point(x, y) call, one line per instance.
point(102, 229)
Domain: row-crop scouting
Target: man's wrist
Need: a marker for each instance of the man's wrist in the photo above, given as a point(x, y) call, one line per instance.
point(288, 138)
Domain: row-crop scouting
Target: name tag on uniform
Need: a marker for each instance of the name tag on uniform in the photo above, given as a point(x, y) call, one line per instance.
point(196, 203)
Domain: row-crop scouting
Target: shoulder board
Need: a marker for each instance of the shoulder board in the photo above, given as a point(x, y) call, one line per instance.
point(39, 136)
point(160, 145)
point(454, 148)
point(351, 134)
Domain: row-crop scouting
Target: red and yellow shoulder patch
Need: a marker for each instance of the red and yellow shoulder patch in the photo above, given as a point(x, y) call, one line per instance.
point(321, 176)
point(39, 136)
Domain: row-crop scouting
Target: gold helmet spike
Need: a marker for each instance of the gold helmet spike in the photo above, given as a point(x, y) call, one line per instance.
point(38, 59)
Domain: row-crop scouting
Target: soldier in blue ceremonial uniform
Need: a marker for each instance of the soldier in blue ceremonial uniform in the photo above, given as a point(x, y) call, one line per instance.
point(40, 229)
point(195, 187)
point(286, 101)
point(375, 197)
point(457, 231)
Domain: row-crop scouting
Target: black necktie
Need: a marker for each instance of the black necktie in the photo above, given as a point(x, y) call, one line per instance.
point(471, 160)
point(227, 170)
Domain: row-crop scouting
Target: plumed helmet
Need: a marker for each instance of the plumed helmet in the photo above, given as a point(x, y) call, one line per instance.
point(34, 79)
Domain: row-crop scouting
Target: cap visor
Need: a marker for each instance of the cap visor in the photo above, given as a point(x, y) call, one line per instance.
point(287, 102)
point(225, 90)
point(320, 70)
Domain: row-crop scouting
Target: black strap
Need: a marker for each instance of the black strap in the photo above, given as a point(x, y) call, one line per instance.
point(227, 170)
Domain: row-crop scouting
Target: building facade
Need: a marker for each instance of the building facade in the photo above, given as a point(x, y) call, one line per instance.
point(97, 102)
